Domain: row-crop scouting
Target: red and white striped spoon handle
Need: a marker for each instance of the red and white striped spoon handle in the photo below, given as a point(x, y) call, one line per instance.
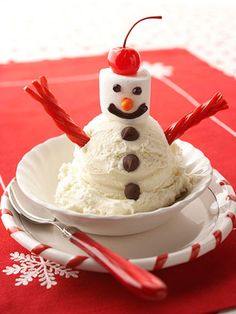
point(133, 277)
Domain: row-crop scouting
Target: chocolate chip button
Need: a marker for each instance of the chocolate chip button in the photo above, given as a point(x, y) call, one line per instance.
point(132, 191)
point(130, 162)
point(129, 134)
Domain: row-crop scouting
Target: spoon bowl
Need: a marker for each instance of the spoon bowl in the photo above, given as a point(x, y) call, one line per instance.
point(133, 277)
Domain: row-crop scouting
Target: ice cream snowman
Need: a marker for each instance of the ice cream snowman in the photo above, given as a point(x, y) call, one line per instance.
point(122, 161)
point(127, 163)
point(125, 97)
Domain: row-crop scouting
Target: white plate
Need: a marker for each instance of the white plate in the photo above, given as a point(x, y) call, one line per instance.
point(198, 229)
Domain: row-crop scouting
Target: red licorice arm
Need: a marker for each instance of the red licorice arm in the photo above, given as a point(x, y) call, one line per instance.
point(211, 107)
point(60, 117)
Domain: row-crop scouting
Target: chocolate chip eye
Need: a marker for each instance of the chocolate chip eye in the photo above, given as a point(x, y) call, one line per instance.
point(137, 90)
point(117, 88)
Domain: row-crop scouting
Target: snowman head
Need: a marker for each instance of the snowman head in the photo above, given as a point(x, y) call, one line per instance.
point(125, 87)
point(125, 98)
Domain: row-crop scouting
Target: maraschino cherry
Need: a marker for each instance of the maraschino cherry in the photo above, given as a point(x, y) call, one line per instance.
point(125, 60)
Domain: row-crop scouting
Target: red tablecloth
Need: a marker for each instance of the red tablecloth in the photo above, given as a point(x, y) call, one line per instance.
point(204, 285)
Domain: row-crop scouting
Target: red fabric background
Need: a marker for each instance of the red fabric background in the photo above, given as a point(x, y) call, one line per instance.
point(204, 285)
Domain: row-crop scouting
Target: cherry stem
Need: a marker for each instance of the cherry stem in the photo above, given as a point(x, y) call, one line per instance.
point(145, 18)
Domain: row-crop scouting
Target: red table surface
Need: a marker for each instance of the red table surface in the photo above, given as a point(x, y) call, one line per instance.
point(204, 285)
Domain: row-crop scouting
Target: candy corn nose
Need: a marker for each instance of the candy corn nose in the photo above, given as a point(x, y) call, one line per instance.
point(127, 104)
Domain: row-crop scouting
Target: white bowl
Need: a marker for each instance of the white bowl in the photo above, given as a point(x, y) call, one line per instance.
point(37, 178)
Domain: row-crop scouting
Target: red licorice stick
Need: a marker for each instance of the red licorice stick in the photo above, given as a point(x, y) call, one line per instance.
point(131, 276)
point(215, 104)
point(60, 117)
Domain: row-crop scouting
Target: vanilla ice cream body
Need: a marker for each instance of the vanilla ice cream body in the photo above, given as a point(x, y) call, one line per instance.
point(94, 181)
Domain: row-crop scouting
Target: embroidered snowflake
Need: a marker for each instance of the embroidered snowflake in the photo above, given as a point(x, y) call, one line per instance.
point(33, 266)
point(158, 69)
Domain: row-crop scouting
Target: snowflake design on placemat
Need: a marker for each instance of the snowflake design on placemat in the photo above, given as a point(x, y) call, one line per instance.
point(158, 69)
point(33, 266)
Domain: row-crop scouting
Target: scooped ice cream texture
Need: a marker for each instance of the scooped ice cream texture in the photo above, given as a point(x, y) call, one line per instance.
point(94, 181)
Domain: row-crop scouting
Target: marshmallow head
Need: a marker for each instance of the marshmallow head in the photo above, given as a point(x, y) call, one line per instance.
point(125, 98)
